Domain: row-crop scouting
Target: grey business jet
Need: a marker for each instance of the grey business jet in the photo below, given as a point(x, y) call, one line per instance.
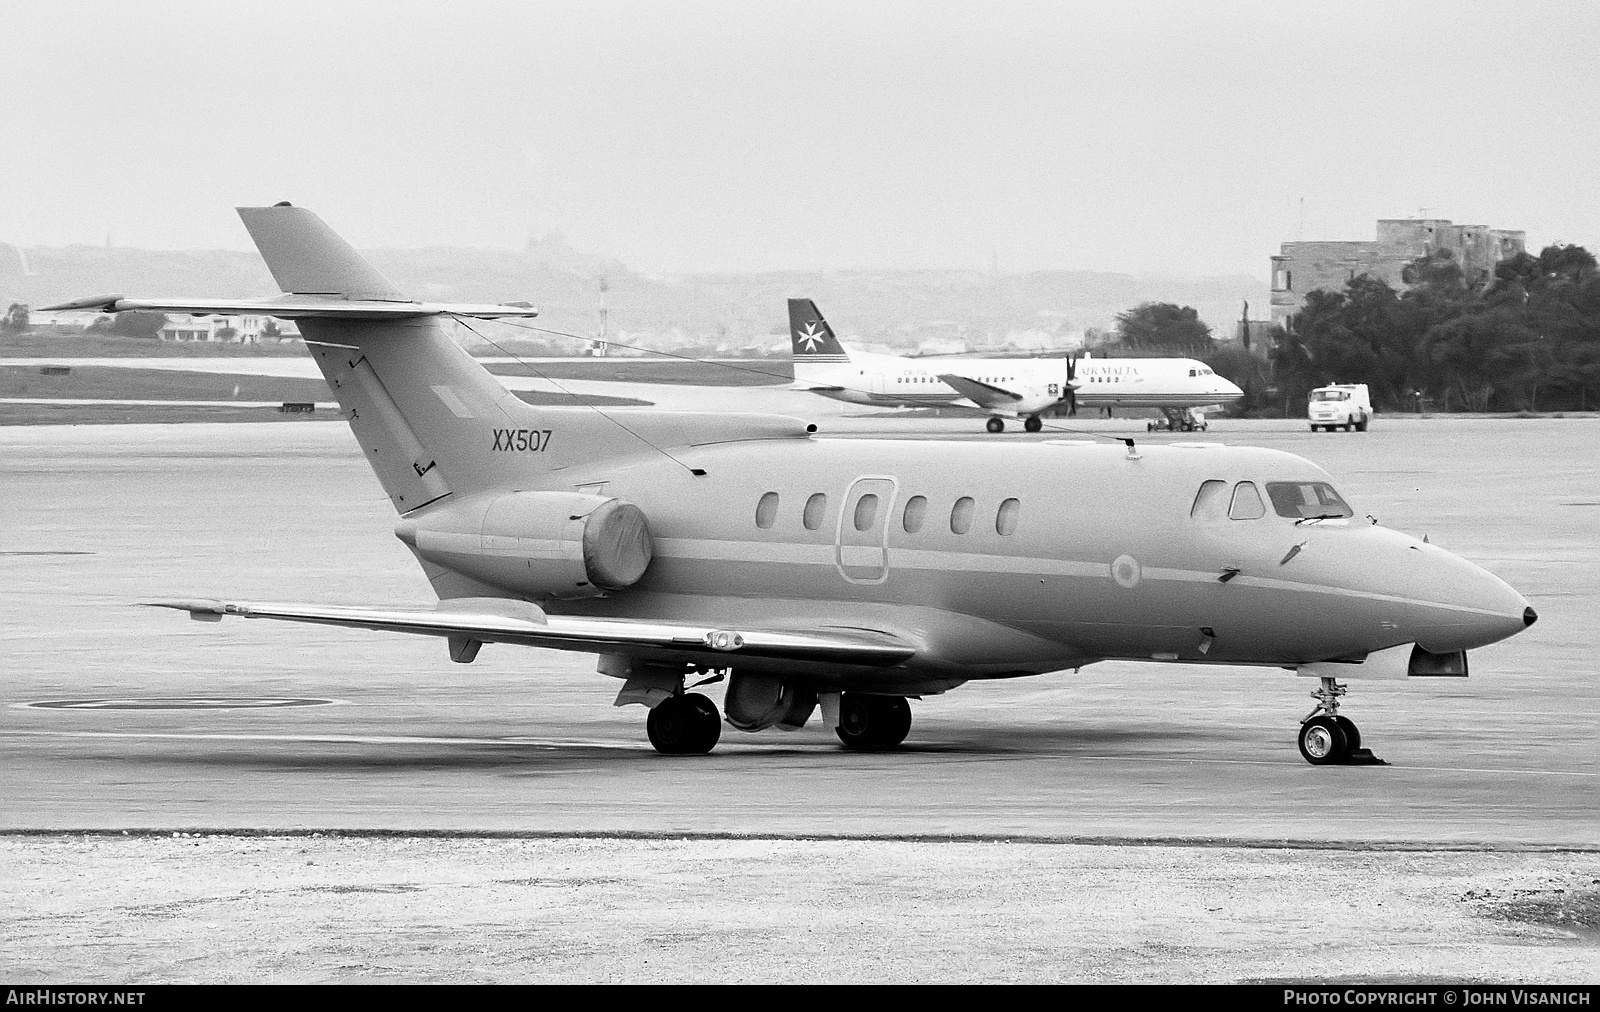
point(843, 575)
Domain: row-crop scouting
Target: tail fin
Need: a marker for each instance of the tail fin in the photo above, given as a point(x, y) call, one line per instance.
point(810, 337)
point(430, 418)
point(306, 257)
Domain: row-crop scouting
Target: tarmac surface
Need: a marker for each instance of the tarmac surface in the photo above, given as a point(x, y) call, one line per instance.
point(155, 722)
point(314, 805)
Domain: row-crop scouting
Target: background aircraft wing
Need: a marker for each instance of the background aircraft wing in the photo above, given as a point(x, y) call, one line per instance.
point(495, 620)
point(985, 395)
point(293, 307)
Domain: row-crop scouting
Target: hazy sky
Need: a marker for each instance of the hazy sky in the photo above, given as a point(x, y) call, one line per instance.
point(686, 136)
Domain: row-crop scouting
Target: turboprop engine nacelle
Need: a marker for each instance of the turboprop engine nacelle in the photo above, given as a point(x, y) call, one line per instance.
point(562, 545)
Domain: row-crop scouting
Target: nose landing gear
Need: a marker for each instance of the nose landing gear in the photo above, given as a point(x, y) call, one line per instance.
point(1329, 739)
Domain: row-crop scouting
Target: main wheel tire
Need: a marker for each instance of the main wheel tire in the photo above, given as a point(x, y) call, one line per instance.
point(995, 425)
point(684, 725)
point(1352, 734)
point(708, 730)
point(872, 723)
point(1323, 742)
point(1033, 424)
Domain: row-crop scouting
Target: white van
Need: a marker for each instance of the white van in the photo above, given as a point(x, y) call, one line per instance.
point(1345, 404)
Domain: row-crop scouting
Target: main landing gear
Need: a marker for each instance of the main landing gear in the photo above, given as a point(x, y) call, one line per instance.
point(1328, 738)
point(872, 723)
point(686, 724)
point(1033, 423)
point(1175, 420)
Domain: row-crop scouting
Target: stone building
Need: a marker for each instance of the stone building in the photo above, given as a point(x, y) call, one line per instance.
point(1302, 267)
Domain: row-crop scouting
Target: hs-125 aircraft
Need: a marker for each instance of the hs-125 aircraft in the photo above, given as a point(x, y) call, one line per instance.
point(1001, 387)
point(844, 575)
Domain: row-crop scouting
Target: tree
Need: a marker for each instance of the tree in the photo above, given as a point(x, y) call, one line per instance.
point(16, 319)
point(1477, 355)
point(1163, 325)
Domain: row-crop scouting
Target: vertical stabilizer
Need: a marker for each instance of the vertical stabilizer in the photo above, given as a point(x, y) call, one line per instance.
point(306, 257)
point(810, 337)
point(430, 419)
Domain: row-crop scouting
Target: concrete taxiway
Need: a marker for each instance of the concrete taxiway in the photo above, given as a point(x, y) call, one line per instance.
point(157, 722)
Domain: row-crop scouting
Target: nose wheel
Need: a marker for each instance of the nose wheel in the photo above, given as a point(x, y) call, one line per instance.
point(1328, 738)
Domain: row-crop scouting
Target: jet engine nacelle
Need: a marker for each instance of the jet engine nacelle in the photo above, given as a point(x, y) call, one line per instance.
point(561, 545)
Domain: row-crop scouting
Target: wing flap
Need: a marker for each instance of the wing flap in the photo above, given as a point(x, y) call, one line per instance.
point(985, 395)
point(498, 621)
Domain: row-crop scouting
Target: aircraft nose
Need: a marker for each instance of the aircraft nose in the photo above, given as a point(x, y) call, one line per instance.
point(1227, 388)
point(1459, 606)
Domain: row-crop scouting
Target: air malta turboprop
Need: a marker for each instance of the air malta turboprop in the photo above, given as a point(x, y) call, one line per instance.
point(1001, 387)
point(846, 575)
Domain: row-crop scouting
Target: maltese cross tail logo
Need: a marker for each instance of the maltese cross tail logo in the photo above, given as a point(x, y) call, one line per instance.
point(811, 336)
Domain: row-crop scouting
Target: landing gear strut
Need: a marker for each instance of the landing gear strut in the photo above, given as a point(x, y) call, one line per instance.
point(1326, 737)
point(686, 724)
point(872, 723)
point(1176, 420)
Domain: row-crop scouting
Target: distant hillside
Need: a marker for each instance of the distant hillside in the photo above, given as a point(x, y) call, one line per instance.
point(899, 308)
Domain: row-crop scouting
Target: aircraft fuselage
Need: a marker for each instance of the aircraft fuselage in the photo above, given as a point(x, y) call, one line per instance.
point(1102, 557)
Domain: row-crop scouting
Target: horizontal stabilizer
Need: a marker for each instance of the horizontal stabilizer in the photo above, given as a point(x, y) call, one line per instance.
point(498, 621)
point(985, 395)
point(296, 307)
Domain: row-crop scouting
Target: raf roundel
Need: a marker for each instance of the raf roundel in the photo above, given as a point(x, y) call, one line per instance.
point(1125, 570)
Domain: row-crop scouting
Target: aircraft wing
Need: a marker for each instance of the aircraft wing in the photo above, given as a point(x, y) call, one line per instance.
point(494, 620)
point(985, 395)
point(292, 307)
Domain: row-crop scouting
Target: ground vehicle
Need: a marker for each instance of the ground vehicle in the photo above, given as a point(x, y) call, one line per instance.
point(1345, 404)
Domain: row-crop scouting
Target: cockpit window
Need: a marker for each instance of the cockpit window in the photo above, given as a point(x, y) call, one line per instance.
point(1211, 502)
point(1247, 504)
point(1303, 499)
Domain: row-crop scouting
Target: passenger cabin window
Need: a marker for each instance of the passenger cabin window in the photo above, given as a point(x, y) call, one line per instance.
point(815, 507)
point(1303, 499)
point(767, 510)
point(866, 512)
point(1247, 503)
point(1211, 502)
point(1005, 521)
point(916, 512)
point(961, 515)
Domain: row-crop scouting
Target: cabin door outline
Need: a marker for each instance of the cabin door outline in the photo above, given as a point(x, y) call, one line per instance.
point(862, 556)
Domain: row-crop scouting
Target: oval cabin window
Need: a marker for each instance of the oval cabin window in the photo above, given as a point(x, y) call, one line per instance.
point(767, 510)
point(816, 506)
point(866, 512)
point(1005, 522)
point(961, 515)
point(916, 512)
